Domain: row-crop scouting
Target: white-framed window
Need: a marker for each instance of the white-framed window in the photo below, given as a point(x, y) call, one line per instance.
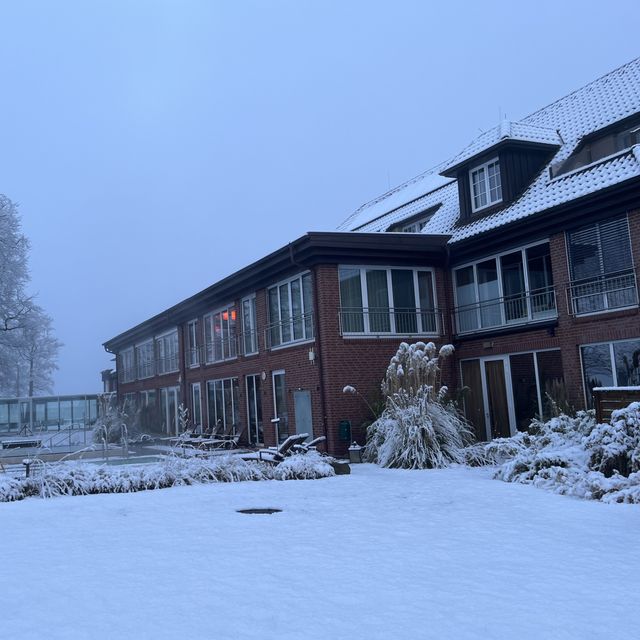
point(196, 406)
point(387, 300)
point(601, 267)
point(223, 405)
point(280, 409)
point(486, 185)
point(610, 364)
point(290, 306)
point(193, 354)
point(127, 369)
point(220, 334)
point(249, 326)
point(145, 359)
point(167, 351)
point(416, 226)
point(513, 287)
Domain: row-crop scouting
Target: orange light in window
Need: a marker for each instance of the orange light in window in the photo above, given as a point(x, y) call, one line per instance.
point(233, 315)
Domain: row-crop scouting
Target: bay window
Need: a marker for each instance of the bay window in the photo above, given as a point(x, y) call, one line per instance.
point(290, 307)
point(511, 288)
point(379, 300)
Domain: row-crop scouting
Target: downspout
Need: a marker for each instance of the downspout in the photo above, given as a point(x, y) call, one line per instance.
point(318, 360)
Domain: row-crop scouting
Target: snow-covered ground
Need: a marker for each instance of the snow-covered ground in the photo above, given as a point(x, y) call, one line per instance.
point(378, 554)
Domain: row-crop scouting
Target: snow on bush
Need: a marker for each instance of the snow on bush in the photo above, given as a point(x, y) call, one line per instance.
point(73, 478)
point(574, 456)
point(417, 429)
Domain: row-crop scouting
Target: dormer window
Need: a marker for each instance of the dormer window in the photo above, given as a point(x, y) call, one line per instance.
point(486, 186)
point(415, 227)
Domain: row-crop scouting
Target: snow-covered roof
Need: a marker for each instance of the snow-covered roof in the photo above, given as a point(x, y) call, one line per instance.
point(506, 130)
point(565, 122)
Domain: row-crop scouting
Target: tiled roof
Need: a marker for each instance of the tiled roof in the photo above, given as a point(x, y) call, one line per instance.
point(605, 101)
point(507, 130)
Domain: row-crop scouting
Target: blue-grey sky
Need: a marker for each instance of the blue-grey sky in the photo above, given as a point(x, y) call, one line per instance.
point(157, 146)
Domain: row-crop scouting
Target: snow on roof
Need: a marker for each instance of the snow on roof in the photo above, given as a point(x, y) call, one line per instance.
point(395, 198)
point(605, 101)
point(506, 130)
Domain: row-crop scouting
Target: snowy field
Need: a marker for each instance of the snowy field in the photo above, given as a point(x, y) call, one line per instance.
point(379, 554)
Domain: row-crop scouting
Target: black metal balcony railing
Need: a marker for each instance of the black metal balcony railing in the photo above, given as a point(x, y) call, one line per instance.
point(604, 293)
point(293, 329)
point(377, 321)
point(523, 308)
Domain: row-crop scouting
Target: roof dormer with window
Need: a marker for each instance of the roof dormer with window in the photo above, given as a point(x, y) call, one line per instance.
point(497, 167)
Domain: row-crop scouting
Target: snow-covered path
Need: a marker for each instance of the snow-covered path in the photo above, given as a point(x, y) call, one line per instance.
point(378, 554)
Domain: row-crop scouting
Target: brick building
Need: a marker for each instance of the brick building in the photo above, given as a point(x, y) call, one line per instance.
point(520, 251)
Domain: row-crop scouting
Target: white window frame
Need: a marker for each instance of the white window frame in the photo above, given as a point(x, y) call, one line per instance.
point(277, 323)
point(212, 420)
point(496, 257)
point(416, 226)
point(253, 330)
point(192, 347)
point(151, 365)
point(477, 168)
point(612, 362)
point(132, 372)
point(416, 292)
point(165, 360)
point(208, 322)
point(197, 385)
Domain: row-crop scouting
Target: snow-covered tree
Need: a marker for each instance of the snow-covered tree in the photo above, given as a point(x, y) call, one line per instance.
point(28, 347)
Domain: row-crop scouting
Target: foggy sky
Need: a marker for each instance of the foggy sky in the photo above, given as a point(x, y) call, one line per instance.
point(155, 147)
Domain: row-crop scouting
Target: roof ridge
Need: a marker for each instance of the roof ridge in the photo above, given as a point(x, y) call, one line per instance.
point(579, 89)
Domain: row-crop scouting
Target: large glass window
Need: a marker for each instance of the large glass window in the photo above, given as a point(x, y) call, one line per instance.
point(611, 364)
point(193, 355)
point(512, 288)
point(291, 311)
point(144, 359)
point(167, 348)
point(486, 185)
point(127, 371)
point(220, 335)
point(222, 404)
point(254, 409)
point(384, 300)
point(601, 267)
point(196, 404)
point(249, 326)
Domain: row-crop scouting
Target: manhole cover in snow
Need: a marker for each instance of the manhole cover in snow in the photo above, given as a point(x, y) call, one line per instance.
point(259, 510)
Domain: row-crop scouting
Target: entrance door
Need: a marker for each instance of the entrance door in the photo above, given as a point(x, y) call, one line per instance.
point(489, 402)
point(254, 410)
point(169, 408)
point(497, 398)
point(302, 407)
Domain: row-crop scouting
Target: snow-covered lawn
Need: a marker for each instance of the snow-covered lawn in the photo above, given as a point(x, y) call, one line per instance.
point(382, 553)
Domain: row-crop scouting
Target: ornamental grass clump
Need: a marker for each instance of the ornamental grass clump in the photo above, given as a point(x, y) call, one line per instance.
point(419, 428)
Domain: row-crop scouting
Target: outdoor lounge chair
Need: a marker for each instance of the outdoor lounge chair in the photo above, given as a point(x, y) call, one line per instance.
point(225, 441)
point(278, 454)
point(303, 447)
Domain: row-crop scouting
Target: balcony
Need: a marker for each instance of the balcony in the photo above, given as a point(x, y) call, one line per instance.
point(524, 308)
point(167, 364)
point(604, 293)
point(222, 348)
point(367, 321)
point(294, 329)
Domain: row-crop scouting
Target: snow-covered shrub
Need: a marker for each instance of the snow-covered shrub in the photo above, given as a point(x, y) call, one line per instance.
point(74, 478)
point(616, 446)
point(418, 429)
point(304, 466)
point(575, 456)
